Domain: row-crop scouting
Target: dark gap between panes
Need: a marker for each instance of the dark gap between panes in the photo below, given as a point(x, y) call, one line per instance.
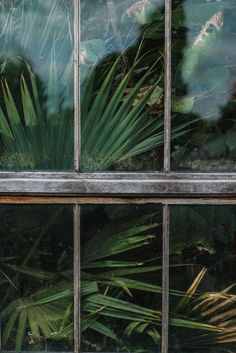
point(37, 85)
point(36, 277)
point(121, 278)
point(203, 279)
point(203, 85)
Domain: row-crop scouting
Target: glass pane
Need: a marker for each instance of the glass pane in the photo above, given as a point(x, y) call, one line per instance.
point(121, 278)
point(36, 91)
point(121, 60)
point(36, 278)
point(203, 64)
point(203, 279)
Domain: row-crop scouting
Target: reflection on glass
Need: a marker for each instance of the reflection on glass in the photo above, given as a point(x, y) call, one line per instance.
point(203, 279)
point(203, 64)
point(121, 278)
point(36, 91)
point(122, 84)
point(36, 278)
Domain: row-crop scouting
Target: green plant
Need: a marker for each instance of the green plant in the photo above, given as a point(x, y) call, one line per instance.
point(116, 123)
point(204, 33)
point(111, 290)
point(36, 125)
point(113, 128)
point(36, 122)
point(215, 308)
point(34, 138)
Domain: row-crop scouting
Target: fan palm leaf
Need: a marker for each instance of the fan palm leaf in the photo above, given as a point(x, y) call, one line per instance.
point(47, 314)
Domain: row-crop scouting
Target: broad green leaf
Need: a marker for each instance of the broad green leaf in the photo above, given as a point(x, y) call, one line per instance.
point(183, 105)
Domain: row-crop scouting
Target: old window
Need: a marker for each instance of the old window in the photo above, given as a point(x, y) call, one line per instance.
point(117, 183)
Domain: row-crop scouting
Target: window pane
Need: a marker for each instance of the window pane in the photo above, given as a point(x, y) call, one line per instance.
point(121, 58)
point(36, 94)
point(203, 279)
point(203, 64)
point(36, 278)
point(121, 278)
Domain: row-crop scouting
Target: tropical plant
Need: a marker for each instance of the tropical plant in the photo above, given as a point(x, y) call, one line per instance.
point(113, 292)
point(33, 291)
point(34, 138)
point(35, 313)
point(118, 122)
point(116, 119)
point(214, 308)
point(204, 33)
point(114, 128)
point(37, 124)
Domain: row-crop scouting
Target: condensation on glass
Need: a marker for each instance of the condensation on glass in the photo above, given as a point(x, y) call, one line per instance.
point(36, 278)
point(121, 278)
point(122, 80)
point(202, 279)
point(203, 85)
point(36, 92)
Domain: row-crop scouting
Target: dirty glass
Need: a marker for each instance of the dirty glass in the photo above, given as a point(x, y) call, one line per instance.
point(121, 276)
point(203, 279)
point(121, 72)
point(36, 91)
point(203, 82)
point(36, 278)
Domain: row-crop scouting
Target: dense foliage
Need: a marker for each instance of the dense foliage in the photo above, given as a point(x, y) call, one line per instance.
point(121, 272)
point(122, 129)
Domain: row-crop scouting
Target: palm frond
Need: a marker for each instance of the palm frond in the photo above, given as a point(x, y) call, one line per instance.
point(36, 126)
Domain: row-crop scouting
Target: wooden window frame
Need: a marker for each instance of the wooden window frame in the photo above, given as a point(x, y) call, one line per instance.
point(166, 188)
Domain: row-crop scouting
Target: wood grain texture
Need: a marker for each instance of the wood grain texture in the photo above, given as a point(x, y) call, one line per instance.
point(113, 184)
point(11, 200)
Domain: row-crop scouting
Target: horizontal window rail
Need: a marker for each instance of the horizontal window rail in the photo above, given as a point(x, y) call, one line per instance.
point(126, 184)
point(115, 200)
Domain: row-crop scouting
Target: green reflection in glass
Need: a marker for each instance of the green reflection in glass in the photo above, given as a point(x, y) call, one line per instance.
point(36, 94)
point(203, 65)
point(203, 279)
point(121, 58)
point(36, 278)
point(121, 289)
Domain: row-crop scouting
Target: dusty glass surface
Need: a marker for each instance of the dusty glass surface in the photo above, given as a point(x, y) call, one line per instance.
point(36, 278)
point(203, 78)
point(203, 279)
point(36, 91)
point(121, 61)
point(121, 270)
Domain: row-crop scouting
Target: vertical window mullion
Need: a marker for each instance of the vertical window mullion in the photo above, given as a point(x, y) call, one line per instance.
point(167, 87)
point(165, 278)
point(77, 122)
point(77, 279)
